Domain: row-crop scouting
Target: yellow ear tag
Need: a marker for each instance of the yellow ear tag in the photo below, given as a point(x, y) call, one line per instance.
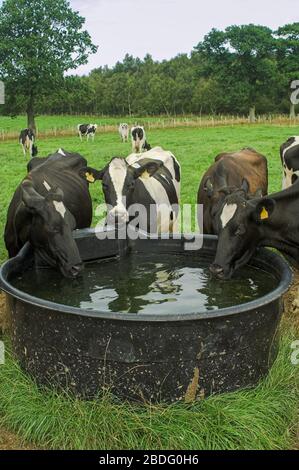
point(145, 174)
point(264, 214)
point(90, 178)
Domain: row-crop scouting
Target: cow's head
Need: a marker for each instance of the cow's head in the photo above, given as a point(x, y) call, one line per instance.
point(118, 181)
point(243, 221)
point(219, 198)
point(51, 230)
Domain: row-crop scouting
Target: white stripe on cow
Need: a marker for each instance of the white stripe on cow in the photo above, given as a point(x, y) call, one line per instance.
point(118, 172)
point(59, 206)
point(228, 212)
point(46, 185)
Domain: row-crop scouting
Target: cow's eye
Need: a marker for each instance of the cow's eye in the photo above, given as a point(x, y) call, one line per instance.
point(105, 186)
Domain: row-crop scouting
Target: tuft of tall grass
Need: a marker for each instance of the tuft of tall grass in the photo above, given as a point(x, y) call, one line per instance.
point(261, 418)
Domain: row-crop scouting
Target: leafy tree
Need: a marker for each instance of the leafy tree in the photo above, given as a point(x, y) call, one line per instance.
point(39, 41)
point(243, 57)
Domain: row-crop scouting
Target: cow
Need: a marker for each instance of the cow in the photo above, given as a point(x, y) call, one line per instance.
point(124, 132)
point(270, 221)
point(151, 180)
point(27, 139)
point(139, 143)
point(245, 171)
point(46, 207)
point(289, 153)
point(88, 130)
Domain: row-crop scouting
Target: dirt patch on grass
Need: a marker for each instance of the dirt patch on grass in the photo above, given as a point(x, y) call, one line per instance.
point(9, 441)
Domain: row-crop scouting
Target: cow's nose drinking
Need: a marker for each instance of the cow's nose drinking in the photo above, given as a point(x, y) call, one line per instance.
point(217, 270)
point(75, 271)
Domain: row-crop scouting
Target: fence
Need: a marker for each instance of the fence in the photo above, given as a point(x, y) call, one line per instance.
point(165, 123)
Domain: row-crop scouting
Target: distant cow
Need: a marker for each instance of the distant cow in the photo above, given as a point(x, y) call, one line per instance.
point(47, 206)
point(289, 153)
point(27, 139)
point(245, 171)
point(139, 143)
point(151, 180)
point(88, 130)
point(124, 132)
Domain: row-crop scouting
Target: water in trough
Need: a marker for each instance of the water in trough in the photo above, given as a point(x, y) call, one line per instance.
point(148, 284)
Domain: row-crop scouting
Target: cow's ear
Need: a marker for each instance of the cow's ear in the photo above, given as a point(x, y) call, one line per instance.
point(32, 200)
point(245, 186)
point(91, 175)
point(208, 187)
point(264, 210)
point(149, 169)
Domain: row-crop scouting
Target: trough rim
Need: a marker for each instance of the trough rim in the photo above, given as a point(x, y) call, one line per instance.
point(263, 254)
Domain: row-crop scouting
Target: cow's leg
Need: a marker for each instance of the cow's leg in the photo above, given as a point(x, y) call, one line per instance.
point(30, 148)
point(80, 135)
point(24, 150)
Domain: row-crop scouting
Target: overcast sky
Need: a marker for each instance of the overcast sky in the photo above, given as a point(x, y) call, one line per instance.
point(166, 27)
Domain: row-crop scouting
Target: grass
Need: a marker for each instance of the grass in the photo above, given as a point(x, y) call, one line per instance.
point(252, 419)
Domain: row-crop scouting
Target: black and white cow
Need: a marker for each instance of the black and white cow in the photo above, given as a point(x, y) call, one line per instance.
point(47, 206)
point(270, 221)
point(289, 153)
point(27, 139)
point(88, 130)
point(151, 180)
point(123, 131)
point(139, 143)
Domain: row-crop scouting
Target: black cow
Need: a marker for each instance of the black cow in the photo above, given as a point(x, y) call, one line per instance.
point(245, 171)
point(88, 130)
point(289, 153)
point(269, 221)
point(139, 143)
point(47, 206)
point(151, 180)
point(27, 139)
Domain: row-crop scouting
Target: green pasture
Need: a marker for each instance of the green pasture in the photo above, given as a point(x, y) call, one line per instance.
point(254, 419)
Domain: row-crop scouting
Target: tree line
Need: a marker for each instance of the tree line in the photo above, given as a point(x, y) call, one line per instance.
point(241, 70)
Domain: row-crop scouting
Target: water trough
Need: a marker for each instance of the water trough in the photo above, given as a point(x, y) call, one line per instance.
point(154, 357)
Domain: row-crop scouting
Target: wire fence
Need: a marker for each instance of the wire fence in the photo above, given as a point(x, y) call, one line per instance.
point(163, 123)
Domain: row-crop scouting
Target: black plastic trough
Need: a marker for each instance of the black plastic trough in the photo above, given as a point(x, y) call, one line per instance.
point(149, 357)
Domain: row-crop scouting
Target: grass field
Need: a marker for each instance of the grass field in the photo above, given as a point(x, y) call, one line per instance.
point(262, 418)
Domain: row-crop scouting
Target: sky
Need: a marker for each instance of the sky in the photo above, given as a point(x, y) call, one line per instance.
point(164, 28)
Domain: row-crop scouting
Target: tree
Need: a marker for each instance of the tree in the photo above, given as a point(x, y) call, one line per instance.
point(288, 56)
point(39, 41)
point(242, 57)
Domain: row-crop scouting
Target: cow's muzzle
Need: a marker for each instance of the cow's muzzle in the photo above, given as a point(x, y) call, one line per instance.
point(219, 272)
point(72, 272)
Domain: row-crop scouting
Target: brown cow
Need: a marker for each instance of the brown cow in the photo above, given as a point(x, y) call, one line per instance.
point(245, 171)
